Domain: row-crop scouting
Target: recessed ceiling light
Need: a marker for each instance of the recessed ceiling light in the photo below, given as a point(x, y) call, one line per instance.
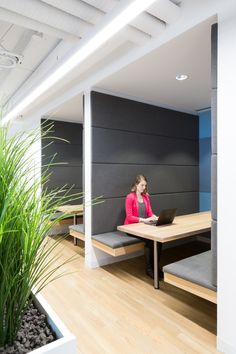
point(181, 77)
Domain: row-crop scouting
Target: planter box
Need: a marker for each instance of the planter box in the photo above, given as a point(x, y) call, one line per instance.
point(66, 342)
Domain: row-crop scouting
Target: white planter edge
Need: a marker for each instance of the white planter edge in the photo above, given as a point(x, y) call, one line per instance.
point(66, 342)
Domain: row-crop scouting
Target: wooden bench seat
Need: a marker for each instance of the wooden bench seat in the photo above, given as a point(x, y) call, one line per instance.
point(194, 275)
point(77, 231)
point(115, 243)
point(67, 219)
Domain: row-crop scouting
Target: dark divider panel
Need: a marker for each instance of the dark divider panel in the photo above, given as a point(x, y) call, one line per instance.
point(68, 154)
point(163, 178)
point(131, 138)
point(112, 211)
point(214, 149)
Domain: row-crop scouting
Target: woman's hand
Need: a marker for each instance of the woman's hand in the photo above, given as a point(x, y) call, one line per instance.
point(154, 217)
point(149, 220)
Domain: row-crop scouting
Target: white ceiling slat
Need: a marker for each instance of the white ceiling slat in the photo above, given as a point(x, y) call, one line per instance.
point(94, 15)
point(31, 24)
point(72, 19)
point(134, 35)
point(14, 80)
point(33, 57)
point(15, 43)
point(46, 14)
point(79, 9)
point(104, 5)
point(49, 59)
point(149, 24)
point(165, 10)
point(33, 47)
point(4, 28)
point(10, 39)
point(129, 33)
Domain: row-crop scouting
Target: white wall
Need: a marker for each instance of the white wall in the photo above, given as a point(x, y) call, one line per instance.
point(24, 125)
point(227, 177)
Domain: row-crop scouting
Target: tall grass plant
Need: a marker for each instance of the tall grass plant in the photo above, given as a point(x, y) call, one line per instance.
point(25, 220)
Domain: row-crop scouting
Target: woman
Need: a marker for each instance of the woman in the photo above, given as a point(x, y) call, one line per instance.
point(138, 209)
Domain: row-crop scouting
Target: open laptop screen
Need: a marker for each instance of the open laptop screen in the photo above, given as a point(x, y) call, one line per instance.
point(166, 216)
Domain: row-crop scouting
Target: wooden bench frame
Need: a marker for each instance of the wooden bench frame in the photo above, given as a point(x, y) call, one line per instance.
point(77, 234)
point(191, 287)
point(120, 251)
point(115, 252)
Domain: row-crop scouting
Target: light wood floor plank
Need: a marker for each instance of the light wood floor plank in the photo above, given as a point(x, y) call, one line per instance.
point(115, 310)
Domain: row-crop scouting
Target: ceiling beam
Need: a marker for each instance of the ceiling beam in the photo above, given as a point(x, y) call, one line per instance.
point(46, 14)
point(26, 22)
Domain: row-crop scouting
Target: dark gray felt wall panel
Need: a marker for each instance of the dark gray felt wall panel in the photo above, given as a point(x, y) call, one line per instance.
point(137, 148)
point(130, 138)
point(214, 40)
point(163, 178)
point(68, 155)
point(61, 175)
point(108, 215)
point(67, 131)
point(111, 112)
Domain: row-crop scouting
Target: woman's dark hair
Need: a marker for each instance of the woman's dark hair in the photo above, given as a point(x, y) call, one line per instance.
point(136, 181)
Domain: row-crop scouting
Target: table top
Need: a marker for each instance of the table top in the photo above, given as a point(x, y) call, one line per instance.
point(71, 209)
point(183, 226)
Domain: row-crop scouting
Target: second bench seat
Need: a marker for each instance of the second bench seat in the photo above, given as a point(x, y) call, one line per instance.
point(193, 274)
point(77, 231)
point(115, 243)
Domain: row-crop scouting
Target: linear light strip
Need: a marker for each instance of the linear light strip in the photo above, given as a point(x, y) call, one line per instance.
point(120, 21)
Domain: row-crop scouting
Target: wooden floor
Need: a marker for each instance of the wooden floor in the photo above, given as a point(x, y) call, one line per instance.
point(116, 310)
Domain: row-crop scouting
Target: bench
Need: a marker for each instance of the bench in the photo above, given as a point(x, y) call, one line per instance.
point(114, 243)
point(197, 274)
point(62, 225)
point(66, 219)
point(193, 274)
point(77, 231)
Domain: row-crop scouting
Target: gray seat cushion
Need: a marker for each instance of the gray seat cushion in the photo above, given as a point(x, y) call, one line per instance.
point(58, 214)
point(78, 228)
point(116, 239)
point(197, 269)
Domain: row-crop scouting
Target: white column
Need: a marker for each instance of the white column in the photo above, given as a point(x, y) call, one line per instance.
point(90, 259)
point(226, 177)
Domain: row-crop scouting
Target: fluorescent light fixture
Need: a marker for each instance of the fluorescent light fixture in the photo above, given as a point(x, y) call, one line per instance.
point(115, 25)
point(181, 77)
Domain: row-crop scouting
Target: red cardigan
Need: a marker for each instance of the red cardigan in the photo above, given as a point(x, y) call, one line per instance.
point(131, 208)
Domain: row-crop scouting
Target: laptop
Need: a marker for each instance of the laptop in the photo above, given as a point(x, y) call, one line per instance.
point(166, 217)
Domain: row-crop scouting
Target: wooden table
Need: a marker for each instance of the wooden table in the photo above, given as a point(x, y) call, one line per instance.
point(76, 210)
point(182, 227)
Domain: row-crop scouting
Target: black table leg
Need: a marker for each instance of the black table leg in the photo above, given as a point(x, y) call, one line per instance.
point(156, 264)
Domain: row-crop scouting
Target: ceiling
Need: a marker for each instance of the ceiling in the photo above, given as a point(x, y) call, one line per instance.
point(151, 79)
point(46, 32)
point(40, 30)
